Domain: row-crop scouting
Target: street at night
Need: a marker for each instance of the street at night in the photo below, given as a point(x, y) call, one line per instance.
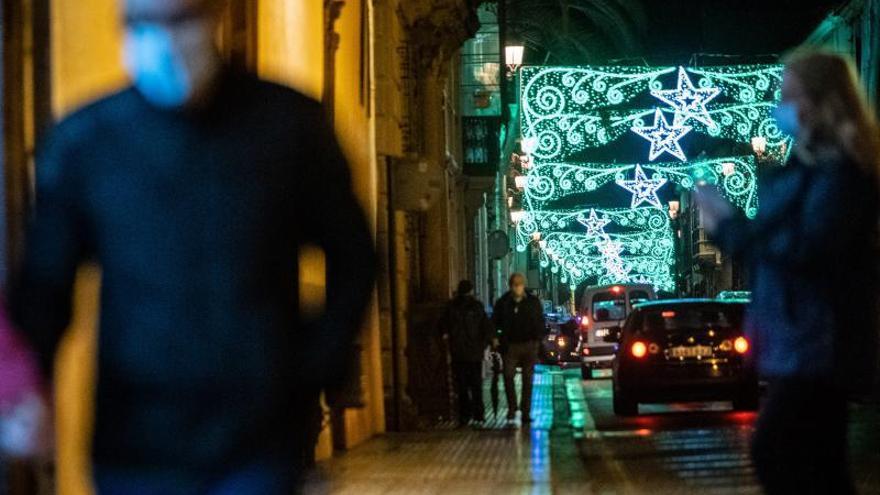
point(440, 247)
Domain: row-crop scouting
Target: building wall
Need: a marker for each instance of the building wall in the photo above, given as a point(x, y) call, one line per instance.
point(854, 29)
point(85, 38)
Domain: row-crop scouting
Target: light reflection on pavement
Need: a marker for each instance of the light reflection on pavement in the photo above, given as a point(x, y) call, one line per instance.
point(577, 445)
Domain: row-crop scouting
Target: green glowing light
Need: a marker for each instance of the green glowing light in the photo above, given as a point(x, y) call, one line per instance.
point(570, 109)
point(567, 111)
point(736, 177)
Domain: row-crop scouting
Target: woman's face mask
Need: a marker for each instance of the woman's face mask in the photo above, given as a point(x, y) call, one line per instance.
point(171, 66)
point(787, 120)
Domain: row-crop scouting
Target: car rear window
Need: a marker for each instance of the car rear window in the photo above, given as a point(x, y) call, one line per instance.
point(672, 319)
point(609, 306)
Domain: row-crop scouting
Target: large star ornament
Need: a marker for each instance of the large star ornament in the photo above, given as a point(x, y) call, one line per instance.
point(664, 138)
point(644, 190)
point(688, 100)
point(595, 225)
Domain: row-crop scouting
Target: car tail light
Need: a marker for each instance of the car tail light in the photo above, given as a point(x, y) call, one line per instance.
point(653, 348)
point(586, 351)
point(639, 349)
point(585, 321)
point(741, 345)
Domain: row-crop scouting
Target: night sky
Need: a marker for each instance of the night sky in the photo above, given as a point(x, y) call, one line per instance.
point(679, 28)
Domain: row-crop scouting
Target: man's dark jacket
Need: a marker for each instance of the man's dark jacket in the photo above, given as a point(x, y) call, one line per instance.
point(196, 219)
point(469, 328)
point(519, 322)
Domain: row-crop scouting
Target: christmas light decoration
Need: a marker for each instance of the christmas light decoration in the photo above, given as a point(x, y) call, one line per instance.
point(552, 181)
point(575, 121)
point(664, 138)
point(643, 188)
point(688, 101)
point(643, 235)
point(569, 109)
point(595, 225)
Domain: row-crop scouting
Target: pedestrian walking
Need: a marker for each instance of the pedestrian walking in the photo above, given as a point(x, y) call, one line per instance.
point(519, 317)
point(468, 330)
point(812, 256)
point(194, 190)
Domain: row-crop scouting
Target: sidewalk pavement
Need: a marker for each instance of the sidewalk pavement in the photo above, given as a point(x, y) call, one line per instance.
point(494, 458)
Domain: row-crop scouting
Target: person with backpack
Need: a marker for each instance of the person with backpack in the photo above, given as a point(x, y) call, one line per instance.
point(468, 331)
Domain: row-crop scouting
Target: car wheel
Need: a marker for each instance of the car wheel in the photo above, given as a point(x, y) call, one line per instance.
point(747, 401)
point(586, 372)
point(624, 406)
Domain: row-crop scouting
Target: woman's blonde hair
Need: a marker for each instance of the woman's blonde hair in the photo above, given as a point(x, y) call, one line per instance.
point(843, 119)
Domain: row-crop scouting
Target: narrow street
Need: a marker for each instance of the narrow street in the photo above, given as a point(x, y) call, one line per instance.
point(273, 247)
point(578, 445)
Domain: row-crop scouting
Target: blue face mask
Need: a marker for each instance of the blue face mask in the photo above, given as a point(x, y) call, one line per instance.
point(786, 116)
point(170, 68)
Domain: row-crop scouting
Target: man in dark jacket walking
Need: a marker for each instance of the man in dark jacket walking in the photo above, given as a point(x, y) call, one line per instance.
point(194, 190)
point(468, 330)
point(519, 316)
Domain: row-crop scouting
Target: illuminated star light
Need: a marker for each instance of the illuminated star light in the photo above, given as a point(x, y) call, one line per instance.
point(612, 261)
point(644, 190)
point(595, 225)
point(664, 138)
point(688, 100)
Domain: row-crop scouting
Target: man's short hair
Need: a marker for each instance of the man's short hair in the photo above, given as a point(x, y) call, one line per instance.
point(515, 277)
point(465, 287)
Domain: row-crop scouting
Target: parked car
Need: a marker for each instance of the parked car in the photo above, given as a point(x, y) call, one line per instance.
point(684, 350)
point(560, 346)
point(602, 309)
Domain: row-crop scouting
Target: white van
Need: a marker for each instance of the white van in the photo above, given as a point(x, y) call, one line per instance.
point(603, 309)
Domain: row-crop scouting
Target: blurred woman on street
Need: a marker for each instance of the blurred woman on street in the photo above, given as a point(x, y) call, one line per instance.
point(811, 255)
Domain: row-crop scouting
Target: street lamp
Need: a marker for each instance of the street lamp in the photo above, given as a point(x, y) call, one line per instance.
point(517, 215)
point(513, 57)
point(728, 168)
point(529, 145)
point(674, 209)
point(759, 145)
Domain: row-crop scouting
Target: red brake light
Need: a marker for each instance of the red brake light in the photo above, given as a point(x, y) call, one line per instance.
point(616, 289)
point(639, 349)
point(586, 351)
point(668, 314)
point(585, 321)
point(741, 345)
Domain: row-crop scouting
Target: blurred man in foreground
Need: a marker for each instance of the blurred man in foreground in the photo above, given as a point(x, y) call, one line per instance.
point(519, 317)
point(194, 190)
